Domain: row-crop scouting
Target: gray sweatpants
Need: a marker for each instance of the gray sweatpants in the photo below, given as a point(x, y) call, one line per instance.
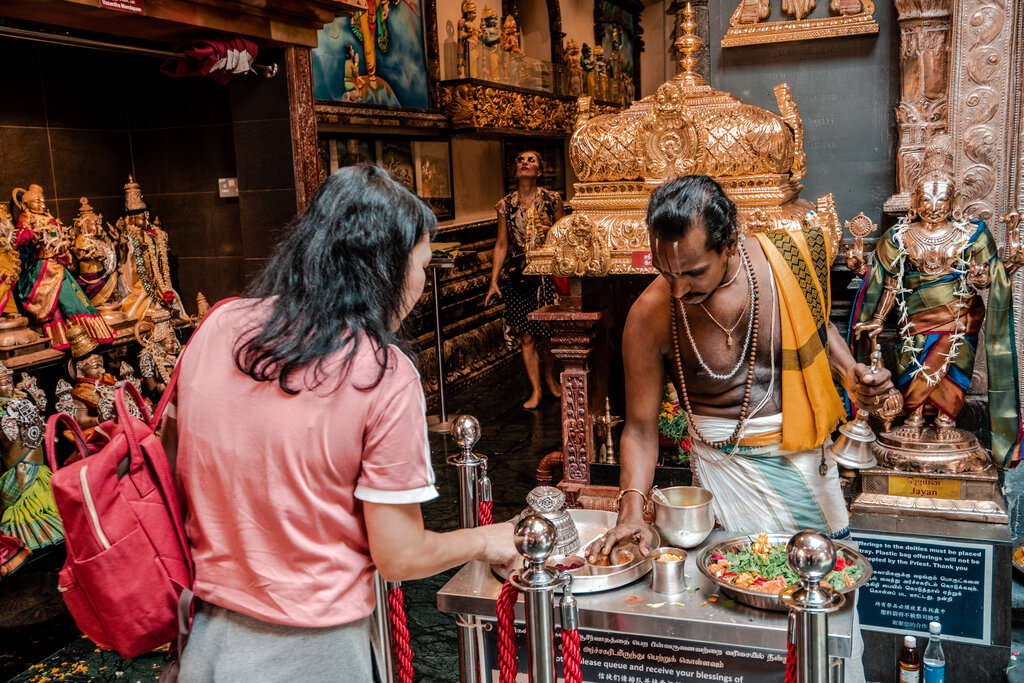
point(228, 647)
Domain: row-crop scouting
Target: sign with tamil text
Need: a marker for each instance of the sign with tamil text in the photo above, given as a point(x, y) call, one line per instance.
point(609, 657)
point(924, 487)
point(916, 580)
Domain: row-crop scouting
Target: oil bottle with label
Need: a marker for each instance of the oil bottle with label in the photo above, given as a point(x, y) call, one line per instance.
point(910, 661)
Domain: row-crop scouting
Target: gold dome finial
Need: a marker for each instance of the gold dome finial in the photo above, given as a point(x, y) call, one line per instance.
point(688, 44)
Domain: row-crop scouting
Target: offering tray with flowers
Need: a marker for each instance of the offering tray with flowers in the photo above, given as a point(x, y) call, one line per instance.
point(754, 571)
point(591, 525)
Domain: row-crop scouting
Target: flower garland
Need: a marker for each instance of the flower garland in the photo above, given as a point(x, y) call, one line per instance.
point(146, 263)
point(963, 293)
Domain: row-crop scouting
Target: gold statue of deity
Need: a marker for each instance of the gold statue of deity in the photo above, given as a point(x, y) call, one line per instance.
point(158, 355)
point(93, 393)
point(96, 255)
point(46, 289)
point(931, 268)
point(469, 39)
point(145, 268)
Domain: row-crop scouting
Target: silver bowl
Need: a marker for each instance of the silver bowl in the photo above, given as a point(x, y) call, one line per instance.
point(688, 518)
point(578, 563)
point(625, 559)
point(767, 600)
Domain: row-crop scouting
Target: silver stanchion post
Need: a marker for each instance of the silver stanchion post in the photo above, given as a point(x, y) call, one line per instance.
point(382, 625)
point(811, 555)
point(465, 430)
point(535, 539)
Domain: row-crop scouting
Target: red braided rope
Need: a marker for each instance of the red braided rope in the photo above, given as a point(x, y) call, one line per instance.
point(507, 632)
point(400, 634)
point(571, 657)
point(791, 663)
point(485, 512)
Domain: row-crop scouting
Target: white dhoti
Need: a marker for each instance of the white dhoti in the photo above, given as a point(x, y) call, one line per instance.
point(762, 488)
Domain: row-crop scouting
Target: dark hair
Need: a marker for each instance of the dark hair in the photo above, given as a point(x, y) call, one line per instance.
point(681, 201)
point(339, 273)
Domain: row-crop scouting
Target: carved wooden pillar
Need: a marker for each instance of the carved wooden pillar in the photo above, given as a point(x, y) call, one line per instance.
point(303, 123)
point(584, 387)
point(924, 76)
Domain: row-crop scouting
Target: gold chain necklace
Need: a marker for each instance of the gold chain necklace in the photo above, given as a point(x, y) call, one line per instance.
point(749, 383)
point(730, 330)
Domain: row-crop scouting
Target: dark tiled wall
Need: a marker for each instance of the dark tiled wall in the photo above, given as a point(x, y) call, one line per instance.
point(78, 121)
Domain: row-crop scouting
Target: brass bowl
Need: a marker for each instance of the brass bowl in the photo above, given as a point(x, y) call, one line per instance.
point(768, 601)
point(688, 518)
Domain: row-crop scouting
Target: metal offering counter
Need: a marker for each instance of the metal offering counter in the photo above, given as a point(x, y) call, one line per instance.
point(632, 633)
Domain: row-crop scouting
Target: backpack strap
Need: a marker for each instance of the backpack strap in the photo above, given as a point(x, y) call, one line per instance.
point(51, 437)
point(172, 383)
point(161, 470)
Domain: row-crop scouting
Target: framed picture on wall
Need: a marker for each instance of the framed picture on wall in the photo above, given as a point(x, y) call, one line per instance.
point(552, 154)
point(378, 57)
point(424, 166)
point(617, 30)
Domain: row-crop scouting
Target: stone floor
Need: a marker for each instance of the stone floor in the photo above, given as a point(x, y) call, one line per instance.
point(39, 641)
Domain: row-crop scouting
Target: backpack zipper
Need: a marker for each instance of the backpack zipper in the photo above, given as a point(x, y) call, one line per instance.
point(92, 508)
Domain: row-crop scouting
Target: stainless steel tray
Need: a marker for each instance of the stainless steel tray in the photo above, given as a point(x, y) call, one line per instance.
point(591, 525)
point(767, 600)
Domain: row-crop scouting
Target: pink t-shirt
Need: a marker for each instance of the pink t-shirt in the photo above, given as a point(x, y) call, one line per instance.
point(273, 482)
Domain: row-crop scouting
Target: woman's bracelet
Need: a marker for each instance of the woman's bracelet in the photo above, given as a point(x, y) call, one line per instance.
point(625, 491)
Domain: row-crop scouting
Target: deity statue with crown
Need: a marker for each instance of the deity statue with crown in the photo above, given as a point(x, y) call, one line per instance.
point(573, 69)
point(46, 289)
point(158, 354)
point(468, 36)
point(96, 255)
point(490, 40)
point(29, 511)
point(92, 396)
point(512, 53)
point(145, 265)
point(930, 269)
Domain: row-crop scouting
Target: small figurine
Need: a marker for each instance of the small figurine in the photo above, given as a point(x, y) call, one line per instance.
point(145, 267)
point(601, 74)
point(97, 257)
point(490, 38)
point(65, 403)
point(573, 69)
point(93, 393)
point(353, 80)
point(587, 64)
point(30, 513)
point(510, 35)
point(159, 354)
point(10, 262)
point(127, 373)
point(931, 268)
point(468, 35)
point(46, 288)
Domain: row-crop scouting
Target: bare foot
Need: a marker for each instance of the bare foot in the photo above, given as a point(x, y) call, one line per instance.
point(908, 431)
point(533, 401)
point(554, 387)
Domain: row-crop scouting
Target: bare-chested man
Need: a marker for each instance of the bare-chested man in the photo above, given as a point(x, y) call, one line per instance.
point(741, 327)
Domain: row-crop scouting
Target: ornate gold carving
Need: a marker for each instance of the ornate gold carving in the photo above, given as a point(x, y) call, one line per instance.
point(747, 25)
point(860, 227)
point(575, 431)
point(580, 250)
point(487, 106)
point(828, 219)
point(921, 113)
point(790, 114)
point(979, 109)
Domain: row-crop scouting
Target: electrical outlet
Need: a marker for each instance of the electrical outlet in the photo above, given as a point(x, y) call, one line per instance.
point(227, 187)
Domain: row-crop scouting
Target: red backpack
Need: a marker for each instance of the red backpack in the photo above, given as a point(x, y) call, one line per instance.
point(128, 559)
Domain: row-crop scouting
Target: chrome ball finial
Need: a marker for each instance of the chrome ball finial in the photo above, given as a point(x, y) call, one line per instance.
point(811, 554)
point(465, 430)
point(535, 538)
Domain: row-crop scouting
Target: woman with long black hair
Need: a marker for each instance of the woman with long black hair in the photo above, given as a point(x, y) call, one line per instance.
point(301, 445)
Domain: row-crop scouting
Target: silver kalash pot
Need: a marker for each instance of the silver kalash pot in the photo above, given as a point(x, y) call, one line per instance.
point(549, 502)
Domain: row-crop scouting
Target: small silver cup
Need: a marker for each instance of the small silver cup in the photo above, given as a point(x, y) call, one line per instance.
point(669, 577)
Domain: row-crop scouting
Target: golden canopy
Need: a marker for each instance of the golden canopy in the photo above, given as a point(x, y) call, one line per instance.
point(687, 127)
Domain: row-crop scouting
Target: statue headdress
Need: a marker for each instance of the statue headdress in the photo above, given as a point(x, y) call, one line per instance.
point(133, 201)
point(21, 196)
point(82, 344)
point(510, 22)
point(488, 12)
point(938, 158)
point(571, 44)
point(468, 6)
